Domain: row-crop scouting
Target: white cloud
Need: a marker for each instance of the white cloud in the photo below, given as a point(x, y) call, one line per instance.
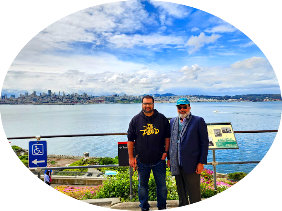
point(126, 41)
point(194, 29)
point(221, 29)
point(191, 72)
point(248, 44)
point(197, 42)
point(43, 64)
point(168, 12)
point(94, 25)
point(170, 9)
point(60, 63)
point(251, 75)
point(252, 63)
point(248, 75)
point(113, 79)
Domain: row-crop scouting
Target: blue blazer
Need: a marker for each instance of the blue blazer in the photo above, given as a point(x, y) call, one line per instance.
point(194, 144)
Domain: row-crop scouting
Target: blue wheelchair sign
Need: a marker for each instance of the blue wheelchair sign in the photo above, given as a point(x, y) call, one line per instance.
point(37, 154)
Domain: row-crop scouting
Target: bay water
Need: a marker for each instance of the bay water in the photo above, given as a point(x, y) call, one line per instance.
point(40, 120)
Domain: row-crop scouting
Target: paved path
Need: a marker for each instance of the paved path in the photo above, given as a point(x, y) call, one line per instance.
point(114, 203)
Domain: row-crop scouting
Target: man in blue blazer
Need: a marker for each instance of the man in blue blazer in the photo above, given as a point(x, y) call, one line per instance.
point(188, 152)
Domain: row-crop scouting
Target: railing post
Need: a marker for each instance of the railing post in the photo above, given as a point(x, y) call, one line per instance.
point(130, 179)
point(214, 169)
point(38, 170)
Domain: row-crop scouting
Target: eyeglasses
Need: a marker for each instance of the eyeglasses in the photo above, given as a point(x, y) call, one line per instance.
point(179, 107)
point(149, 104)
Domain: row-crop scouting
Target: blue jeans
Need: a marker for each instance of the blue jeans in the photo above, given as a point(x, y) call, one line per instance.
point(159, 171)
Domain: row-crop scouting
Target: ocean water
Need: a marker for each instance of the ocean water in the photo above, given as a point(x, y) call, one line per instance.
point(34, 120)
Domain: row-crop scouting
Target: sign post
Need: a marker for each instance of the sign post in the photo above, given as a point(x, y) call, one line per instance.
point(37, 154)
point(221, 136)
point(124, 161)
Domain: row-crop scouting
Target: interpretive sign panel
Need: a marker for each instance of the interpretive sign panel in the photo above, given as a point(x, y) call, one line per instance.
point(221, 136)
point(122, 154)
point(123, 159)
point(37, 154)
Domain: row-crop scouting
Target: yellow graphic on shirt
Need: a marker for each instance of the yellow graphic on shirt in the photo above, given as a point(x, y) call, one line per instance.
point(149, 130)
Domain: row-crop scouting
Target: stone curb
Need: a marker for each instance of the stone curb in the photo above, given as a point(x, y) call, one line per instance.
point(135, 205)
point(115, 203)
point(107, 202)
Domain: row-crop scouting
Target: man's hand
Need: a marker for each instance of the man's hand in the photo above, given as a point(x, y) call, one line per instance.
point(164, 156)
point(132, 159)
point(132, 162)
point(200, 168)
point(168, 163)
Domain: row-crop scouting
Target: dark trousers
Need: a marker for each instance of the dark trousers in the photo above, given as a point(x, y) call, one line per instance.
point(188, 188)
point(159, 171)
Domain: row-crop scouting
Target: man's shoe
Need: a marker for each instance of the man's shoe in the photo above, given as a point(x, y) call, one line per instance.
point(145, 209)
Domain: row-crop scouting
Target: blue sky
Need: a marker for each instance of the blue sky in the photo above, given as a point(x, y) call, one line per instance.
point(137, 47)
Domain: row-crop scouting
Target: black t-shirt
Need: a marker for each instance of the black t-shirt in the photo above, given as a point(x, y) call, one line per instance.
point(149, 135)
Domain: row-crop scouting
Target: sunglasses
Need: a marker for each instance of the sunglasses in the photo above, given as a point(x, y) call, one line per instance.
point(179, 107)
point(149, 104)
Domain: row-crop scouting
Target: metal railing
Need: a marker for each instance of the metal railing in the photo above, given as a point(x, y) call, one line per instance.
point(213, 163)
point(118, 134)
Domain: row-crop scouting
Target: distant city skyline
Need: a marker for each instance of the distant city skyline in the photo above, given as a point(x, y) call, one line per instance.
point(139, 47)
point(78, 98)
point(17, 93)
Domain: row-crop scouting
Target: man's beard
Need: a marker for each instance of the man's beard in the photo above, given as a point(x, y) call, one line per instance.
point(182, 116)
point(148, 111)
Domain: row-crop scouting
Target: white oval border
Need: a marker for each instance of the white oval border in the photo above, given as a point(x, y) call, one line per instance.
point(22, 20)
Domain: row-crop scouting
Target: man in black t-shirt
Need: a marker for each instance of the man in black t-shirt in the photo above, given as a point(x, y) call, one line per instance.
point(149, 133)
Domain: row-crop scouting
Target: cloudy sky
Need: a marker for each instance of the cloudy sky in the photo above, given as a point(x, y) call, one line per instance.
point(136, 47)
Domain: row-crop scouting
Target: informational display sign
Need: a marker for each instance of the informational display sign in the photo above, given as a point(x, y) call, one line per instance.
point(123, 159)
point(110, 173)
point(37, 154)
point(123, 154)
point(221, 136)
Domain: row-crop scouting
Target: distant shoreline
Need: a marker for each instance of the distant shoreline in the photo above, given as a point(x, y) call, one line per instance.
point(84, 99)
point(223, 101)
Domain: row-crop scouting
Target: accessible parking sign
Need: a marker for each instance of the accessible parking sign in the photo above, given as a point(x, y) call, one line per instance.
point(37, 154)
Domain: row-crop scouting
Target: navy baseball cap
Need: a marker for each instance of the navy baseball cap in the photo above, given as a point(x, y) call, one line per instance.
point(182, 101)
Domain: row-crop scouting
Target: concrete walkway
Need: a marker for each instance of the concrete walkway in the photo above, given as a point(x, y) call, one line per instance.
point(115, 203)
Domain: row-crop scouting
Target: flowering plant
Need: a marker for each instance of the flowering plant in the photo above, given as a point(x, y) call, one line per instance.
point(118, 186)
point(207, 184)
point(207, 174)
point(76, 192)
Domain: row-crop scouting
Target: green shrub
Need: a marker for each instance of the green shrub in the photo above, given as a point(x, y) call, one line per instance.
point(107, 160)
point(171, 187)
point(18, 150)
point(236, 176)
point(93, 161)
point(52, 162)
point(207, 190)
point(119, 186)
point(24, 159)
point(69, 173)
point(82, 162)
point(221, 188)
